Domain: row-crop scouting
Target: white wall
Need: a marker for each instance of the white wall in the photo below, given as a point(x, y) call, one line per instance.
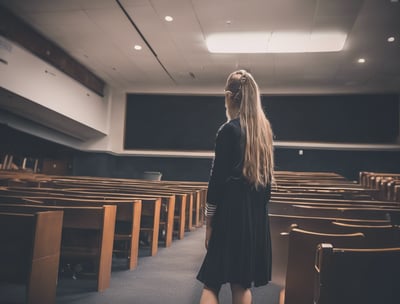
point(32, 78)
point(114, 140)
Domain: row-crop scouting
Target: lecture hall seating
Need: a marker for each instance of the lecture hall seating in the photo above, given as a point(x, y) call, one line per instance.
point(351, 275)
point(30, 252)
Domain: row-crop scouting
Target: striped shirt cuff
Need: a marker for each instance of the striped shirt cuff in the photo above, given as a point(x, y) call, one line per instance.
point(210, 209)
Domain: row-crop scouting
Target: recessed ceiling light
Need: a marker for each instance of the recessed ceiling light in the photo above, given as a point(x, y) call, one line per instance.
point(168, 18)
point(137, 47)
point(390, 39)
point(361, 60)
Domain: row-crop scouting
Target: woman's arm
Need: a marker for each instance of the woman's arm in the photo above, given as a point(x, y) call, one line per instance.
point(222, 163)
point(220, 171)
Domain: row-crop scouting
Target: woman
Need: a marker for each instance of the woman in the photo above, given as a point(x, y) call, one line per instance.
point(237, 232)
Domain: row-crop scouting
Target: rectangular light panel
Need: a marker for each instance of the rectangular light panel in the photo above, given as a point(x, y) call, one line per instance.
point(276, 42)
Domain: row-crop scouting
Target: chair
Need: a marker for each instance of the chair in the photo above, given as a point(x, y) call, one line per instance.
point(152, 175)
point(375, 236)
point(299, 287)
point(350, 276)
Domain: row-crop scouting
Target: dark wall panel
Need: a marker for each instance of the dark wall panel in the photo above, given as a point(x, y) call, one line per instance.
point(21, 144)
point(334, 118)
point(94, 164)
point(167, 122)
point(346, 163)
point(190, 123)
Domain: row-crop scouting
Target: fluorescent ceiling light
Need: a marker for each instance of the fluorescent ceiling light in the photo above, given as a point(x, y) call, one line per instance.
point(288, 42)
point(237, 42)
point(277, 42)
point(326, 42)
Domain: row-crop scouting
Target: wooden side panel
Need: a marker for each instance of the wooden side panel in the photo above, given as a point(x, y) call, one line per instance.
point(170, 221)
point(107, 242)
point(136, 214)
point(42, 282)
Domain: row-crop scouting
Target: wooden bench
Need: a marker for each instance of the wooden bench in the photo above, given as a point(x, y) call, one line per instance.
point(392, 190)
point(347, 193)
point(171, 203)
point(336, 211)
point(131, 209)
point(316, 195)
point(193, 193)
point(369, 179)
point(177, 212)
point(191, 206)
point(308, 175)
point(30, 252)
point(128, 220)
point(348, 276)
point(157, 208)
point(384, 183)
point(195, 189)
point(323, 201)
point(333, 211)
point(281, 224)
point(302, 244)
point(87, 234)
point(299, 282)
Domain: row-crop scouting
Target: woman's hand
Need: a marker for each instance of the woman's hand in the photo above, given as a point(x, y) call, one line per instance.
point(208, 230)
point(208, 235)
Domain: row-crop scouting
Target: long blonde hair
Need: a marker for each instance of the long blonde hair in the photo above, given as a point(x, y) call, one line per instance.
point(258, 166)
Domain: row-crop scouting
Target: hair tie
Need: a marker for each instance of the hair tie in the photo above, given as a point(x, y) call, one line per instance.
point(243, 79)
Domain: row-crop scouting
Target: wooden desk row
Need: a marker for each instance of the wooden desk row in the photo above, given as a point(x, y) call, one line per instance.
point(308, 211)
point(131, 208)
point(387, 185)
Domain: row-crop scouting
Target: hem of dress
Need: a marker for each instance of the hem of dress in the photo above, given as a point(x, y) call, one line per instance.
point(217, 287)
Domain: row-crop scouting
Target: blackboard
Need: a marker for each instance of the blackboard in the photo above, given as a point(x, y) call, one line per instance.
point(190, 122)
point(173, 122)
point(335, 118)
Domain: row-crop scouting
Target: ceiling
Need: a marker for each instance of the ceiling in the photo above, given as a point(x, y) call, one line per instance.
point(101, 34)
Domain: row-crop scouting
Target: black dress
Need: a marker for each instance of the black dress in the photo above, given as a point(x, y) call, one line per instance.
point(239, 250)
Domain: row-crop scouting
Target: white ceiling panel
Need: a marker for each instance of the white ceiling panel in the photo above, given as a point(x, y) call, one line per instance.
point(339, 7)
point(174, 57)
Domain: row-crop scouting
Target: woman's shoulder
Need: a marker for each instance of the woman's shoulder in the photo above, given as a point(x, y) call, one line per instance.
point(230, 126)
point(230, 129)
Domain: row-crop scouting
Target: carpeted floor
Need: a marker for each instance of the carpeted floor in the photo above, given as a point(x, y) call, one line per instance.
point(167, 278)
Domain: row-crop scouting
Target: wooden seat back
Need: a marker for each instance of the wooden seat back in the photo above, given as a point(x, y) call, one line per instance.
point(377, 236)
point(301, 257)
point(281, 224)
point(88, 233)
point(349, 276)
point(30, 252)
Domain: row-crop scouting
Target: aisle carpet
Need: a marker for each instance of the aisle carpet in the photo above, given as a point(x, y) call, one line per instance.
point(167, 278)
